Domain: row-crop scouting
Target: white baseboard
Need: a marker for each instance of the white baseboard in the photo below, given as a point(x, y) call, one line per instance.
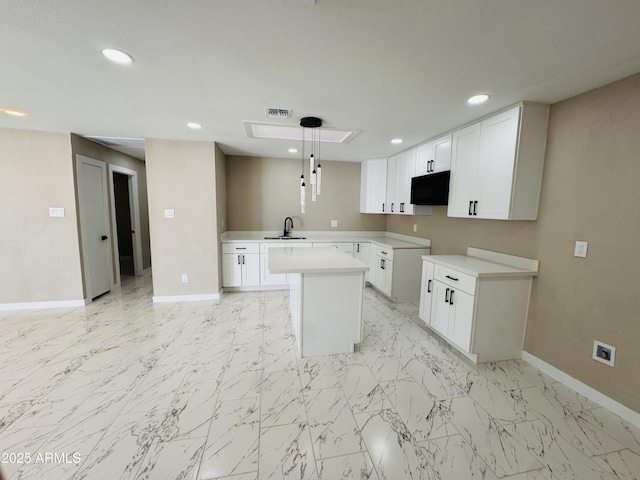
point(40, 305)
point(186, 298)
point(591, 393)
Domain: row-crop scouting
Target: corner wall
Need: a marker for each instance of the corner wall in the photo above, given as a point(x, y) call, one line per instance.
point(40, 255)
point(182, 176)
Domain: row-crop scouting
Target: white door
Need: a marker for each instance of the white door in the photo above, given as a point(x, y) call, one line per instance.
point(461, 319)
point(426, 292)
point(373, 185)
point(250, 269)
point(496, 164)
point(464, 170)
point(442, 154)
point(391, 204)
point(440, 308)
point(231, 270)
point(94, 224)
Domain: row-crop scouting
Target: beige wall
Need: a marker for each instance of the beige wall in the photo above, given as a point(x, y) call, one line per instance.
point(182, 176)
point(261, 192)
point(88, 148)
point(40, 255)
point(591, 191)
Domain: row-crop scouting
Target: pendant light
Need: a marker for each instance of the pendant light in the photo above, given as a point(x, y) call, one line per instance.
point(315, 172)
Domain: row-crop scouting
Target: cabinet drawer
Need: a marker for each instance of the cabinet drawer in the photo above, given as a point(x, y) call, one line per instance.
point(384, 252)
point(454, 278)
point(240, 248)
point(264, 247)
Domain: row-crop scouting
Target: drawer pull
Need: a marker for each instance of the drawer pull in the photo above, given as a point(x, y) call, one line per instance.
point(383, 252)
point(451, 278)
point(446, 296)
point(241, 248)
point(429, 286)
point(451, 297)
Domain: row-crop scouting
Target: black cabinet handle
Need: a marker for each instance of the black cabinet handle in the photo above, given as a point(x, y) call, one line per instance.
point(241, 248)
point(470, 207)
point(402, 207)
point(238, 259)
point(383, 207)
point(431, 168)
point(429, 286)
point(104, 237)
point(357, 248)
point(391, 207)
point(451, 297)
point(446, 296)
point(475, 207)
point(382, 263)
point(451, 278)
point(243, 259)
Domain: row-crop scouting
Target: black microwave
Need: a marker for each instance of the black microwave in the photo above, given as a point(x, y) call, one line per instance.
point(431, 189)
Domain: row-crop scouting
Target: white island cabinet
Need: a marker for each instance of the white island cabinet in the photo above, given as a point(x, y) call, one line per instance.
point(478, 302)
point(326, 294)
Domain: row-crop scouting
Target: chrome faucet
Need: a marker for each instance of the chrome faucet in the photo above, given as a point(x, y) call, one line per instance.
point(287, 231)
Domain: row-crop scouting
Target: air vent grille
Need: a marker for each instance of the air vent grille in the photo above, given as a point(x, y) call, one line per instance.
point(278, 112)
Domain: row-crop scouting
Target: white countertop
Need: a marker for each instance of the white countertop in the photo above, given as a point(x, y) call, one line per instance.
point(484, 263)
point(313, 260)
point(386, 239)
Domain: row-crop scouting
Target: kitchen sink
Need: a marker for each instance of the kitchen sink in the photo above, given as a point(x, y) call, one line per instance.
point(285, 238)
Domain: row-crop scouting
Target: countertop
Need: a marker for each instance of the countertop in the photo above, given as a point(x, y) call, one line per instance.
point(313, 260)
point(389, 240)
point(484, 263)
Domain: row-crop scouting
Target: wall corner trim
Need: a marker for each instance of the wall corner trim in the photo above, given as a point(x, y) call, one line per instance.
point(186, 298)
point(591, 393)
point(41, 305)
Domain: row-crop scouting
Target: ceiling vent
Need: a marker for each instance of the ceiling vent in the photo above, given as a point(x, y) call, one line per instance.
point(278, 112)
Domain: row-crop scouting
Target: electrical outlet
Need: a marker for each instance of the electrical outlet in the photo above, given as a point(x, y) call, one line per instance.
point(581, 249)
point(604, 353)
point(169, 213)
point(415, 227)
point(334, 223)
point(56, 211)
point(185, 278)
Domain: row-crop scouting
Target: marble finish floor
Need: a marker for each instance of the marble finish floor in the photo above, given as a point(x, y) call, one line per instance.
point(125, 389)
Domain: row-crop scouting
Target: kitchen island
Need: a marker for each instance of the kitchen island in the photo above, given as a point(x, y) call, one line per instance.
point(326, 293)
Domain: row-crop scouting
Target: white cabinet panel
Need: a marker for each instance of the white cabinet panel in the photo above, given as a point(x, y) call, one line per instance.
point(373, 185)
point(440, 309)
point(426, 292)
point(406, 169)
point(461, 319)
point(250, 270)
point(231, 270)
point(464, 171)
point(391, 202)
point(434, 156)
point(362, 251)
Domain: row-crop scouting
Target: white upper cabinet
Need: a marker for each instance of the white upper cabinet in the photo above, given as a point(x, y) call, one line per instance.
point(391, 202)
point(434, 156)
point(406, 168)
point(496, 165)
point(373, 186)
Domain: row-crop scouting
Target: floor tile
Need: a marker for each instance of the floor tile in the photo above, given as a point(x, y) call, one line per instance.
point(286, 453)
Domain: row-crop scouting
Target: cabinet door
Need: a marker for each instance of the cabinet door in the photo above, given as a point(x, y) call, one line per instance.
point(424, 157)
point(362, 252)
point(231, 270)
point(440, 308)
point(460, 319)
point(391, 204)
point(373, 185)
point(464, 170)
point(406, 170)
point(441, 154)
point(387, 276)
point(496, 164)
point(267, 278)
point(426, 292)
point(250, 269)
point(374, 266)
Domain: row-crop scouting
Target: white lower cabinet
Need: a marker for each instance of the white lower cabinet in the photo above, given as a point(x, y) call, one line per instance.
point(396, 272)
point(362, 252)
point(478, 302)
point(240, 269)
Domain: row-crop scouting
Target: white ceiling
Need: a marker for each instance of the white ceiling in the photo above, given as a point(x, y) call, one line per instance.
point(390, 68)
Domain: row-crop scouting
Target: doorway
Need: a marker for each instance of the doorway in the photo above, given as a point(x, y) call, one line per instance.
point(125, 206)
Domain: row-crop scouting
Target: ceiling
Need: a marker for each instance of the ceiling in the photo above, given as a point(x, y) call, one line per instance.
point(386, 68)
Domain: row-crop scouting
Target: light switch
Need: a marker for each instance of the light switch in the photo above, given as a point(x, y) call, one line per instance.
point(56, 211)
point(169, 213)
point(581, 249)
point(334, 223)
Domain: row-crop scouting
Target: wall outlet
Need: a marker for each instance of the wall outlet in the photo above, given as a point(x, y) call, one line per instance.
point(604, 353)
point(56, 211)
point(334, 223)
point(415, 227)
point(185, 278)
point(581, 249)
point(169, 213)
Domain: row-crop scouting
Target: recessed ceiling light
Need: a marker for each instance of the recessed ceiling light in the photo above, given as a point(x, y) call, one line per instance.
point(478, 99)
point(396, 141)
point(117, 56)
point(194, 125)
point(14, 112)
point(293, 150)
